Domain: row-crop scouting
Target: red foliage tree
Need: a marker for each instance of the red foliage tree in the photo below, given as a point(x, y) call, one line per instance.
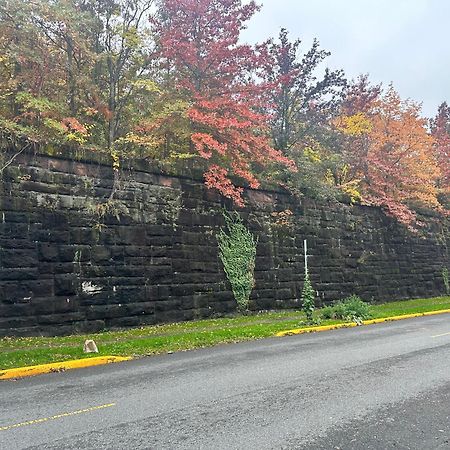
point(218, 77)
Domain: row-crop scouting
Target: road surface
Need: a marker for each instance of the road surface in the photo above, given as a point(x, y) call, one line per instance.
point(375, 387)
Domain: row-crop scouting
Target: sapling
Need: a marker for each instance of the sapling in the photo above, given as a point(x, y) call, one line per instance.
point(307, 292)
point(308, 298)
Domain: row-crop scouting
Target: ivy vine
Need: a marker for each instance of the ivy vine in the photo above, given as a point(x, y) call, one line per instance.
point(237, 251)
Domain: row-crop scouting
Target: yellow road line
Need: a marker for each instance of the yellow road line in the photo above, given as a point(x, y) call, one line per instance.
point(58, 416)
point(439, 335)
point(59, 366)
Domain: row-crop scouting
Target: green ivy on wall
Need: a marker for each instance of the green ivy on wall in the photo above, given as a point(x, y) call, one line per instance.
point(237, 251)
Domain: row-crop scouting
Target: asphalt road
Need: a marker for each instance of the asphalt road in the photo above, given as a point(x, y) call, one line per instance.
point(376, 387)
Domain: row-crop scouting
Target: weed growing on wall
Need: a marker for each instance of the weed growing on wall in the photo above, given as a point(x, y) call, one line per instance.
point(100, 211)
point(237, 251)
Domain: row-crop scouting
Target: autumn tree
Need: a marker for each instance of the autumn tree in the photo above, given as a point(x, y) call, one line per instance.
point(75, 72)
point(359, 96)
point(216, 78)
point(393, 154)
point(33, 103)
point(352, 126)
point(122, 46)
point(170, 80)
point(80, 60)
point(303, 99)
point(440, 130)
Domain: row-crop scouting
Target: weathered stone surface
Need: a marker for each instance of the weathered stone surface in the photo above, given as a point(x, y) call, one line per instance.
point(62, 271)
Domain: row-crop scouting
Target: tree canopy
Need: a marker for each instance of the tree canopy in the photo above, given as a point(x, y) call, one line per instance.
point(170, 80)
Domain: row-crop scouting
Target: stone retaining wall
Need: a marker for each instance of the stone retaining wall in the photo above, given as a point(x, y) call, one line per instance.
point(65, 268)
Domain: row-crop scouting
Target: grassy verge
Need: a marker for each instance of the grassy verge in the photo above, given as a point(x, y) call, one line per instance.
point(17, 352)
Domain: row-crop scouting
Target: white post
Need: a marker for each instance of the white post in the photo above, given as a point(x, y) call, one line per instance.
point(305, 245)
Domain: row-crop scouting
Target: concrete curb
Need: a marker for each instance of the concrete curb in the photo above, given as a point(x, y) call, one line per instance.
point(29, 371)
point(353, 324)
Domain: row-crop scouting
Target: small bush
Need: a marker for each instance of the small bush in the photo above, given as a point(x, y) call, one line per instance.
point(351, 308)
point(327, 312)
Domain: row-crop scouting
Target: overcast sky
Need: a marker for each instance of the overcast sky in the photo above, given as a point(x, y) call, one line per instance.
point(403, 41)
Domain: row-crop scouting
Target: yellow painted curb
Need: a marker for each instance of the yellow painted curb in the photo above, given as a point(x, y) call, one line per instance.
point(353, 324)
point(316, 329)
point(29, 371)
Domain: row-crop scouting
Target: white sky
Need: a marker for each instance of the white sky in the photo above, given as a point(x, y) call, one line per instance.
point(403, 41)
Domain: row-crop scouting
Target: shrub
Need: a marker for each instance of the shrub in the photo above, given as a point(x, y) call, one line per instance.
point(351, 308)
point(327, 312)
point(237, 251)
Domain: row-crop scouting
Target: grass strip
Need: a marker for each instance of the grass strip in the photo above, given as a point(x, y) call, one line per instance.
point(151, 340)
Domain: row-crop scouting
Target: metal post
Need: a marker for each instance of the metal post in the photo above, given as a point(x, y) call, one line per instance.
point(305, 245)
